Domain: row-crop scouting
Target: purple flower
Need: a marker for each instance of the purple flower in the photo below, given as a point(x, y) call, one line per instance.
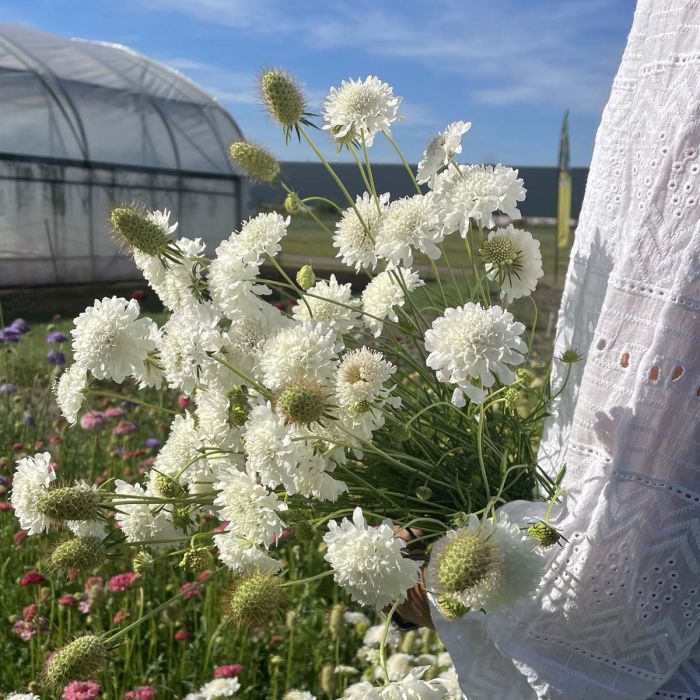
point(152, 443)
point(56, 337)
point(9, 335)
point(28, 419)
point(56, 357)
point(8, 389)
point(20, 325)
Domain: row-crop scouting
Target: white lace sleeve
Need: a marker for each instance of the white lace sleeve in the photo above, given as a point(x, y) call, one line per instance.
point(618, 613)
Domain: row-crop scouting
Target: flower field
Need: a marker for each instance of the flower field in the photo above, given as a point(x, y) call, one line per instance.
point(251, 492)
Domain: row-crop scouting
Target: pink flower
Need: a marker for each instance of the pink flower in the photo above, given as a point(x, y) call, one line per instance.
point(122, 582)
point(67, 601)
point(222, 527)
point(124, 427)
point(121, 616)
point(29, 613)
point(193, 590)
point(181, 635)
point(228, 670)
point(81, 690)
point(92, 420)
point(145, 692)
point(32, 578)
point(183, 401)
point(5, 505)
point(24, 630)
point(115, 412)
point(19, 537)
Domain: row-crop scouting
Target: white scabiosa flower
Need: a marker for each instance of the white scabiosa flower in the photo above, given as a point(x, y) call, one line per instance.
point(355, 617)
point(513, 257)
point(110, 340)
point(363, 690)
point(441, 150)
point(136, 519)
point(178, 458)
point(313, 478)
point(22, 696)
point(220, 688)
point(242, 556)
point(87, 528)
point(409, 223)
point(373, 637)
point(70, 391)
point(305, 351)
point(188, 338)
point(262, 234)
point(413, 688)
point(298, 695)
point(471, 346)
point(367, 561)
point(174, 282)
point(362, 377)
point(269, 451)
point(475, 193)
point(360, 107)
point(485, 565)
point(250, 508)
point(383, 294)
point(331, 308)
point(32, 479)
point(354, 242)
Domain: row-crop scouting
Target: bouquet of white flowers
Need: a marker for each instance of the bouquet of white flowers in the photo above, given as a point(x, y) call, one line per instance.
point(345, 417)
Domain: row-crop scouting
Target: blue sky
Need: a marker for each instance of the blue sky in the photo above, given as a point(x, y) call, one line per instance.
point(510, 67)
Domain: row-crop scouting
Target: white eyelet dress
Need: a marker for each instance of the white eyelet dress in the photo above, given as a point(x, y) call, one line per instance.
point(617, 615)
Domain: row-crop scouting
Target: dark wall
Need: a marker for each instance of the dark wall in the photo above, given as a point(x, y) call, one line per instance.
point(311, 179)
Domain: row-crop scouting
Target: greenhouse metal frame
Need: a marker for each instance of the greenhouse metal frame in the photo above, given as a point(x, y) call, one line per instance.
point(85, 125)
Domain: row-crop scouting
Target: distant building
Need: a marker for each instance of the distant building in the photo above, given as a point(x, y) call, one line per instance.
point(311, 179)
point(85, 125)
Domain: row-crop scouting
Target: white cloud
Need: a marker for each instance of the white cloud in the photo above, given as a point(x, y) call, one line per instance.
point(506, 52)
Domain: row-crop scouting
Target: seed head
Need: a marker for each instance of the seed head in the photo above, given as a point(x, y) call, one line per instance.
point(238, 407)
point(424, 493)
point(302, 402)
point(336, 621)
point(465, 561)
point(282, 97)
point(167, 486)
point(197, 560)
point(69, 503)
point(570, 356)
point(83, 658)
point(255, 600)
point(137, 232)
point(257, 162)
point(83, 553)
point(499, 251)
point(327, 679)
point(545, 533)
point(450, 607)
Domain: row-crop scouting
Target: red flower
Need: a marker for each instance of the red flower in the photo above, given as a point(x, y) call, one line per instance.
point(138, 294)
point(121, 616)
point(55, 439)
point(5, 505)
point(29, 613)
point(19, 538)
point(181, 635)
point(17, 446)
point(183, 401)
point(192, 589)
point(228, 671)
point(67, 601)
point(122, 582)
point(32, 578)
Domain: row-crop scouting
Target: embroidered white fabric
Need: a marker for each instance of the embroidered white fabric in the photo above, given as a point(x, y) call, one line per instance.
point(617, 616)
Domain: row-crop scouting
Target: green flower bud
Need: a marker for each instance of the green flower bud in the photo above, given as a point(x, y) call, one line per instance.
point(255, 600)
point(450, 607)
point(83, 553)
point(292, 204)
point(282, 97)
point(424, 493)
point(306, 277)
point(167, 486)
point(571, 356)
point(545, 533)
point(408, 643)
point(336, 620)
point(327, 679)
point(511, 398)
point(143, 560)
point(258, 163)
point(197, 560)
point(181, 517)
point(302, 402)
point(304, 531)
point(465, 561)
point(238, 407)
point(137, 232)
point(69, 503)
point(80, 660)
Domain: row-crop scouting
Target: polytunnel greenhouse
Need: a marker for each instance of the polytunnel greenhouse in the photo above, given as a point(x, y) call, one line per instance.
point(85, 125)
